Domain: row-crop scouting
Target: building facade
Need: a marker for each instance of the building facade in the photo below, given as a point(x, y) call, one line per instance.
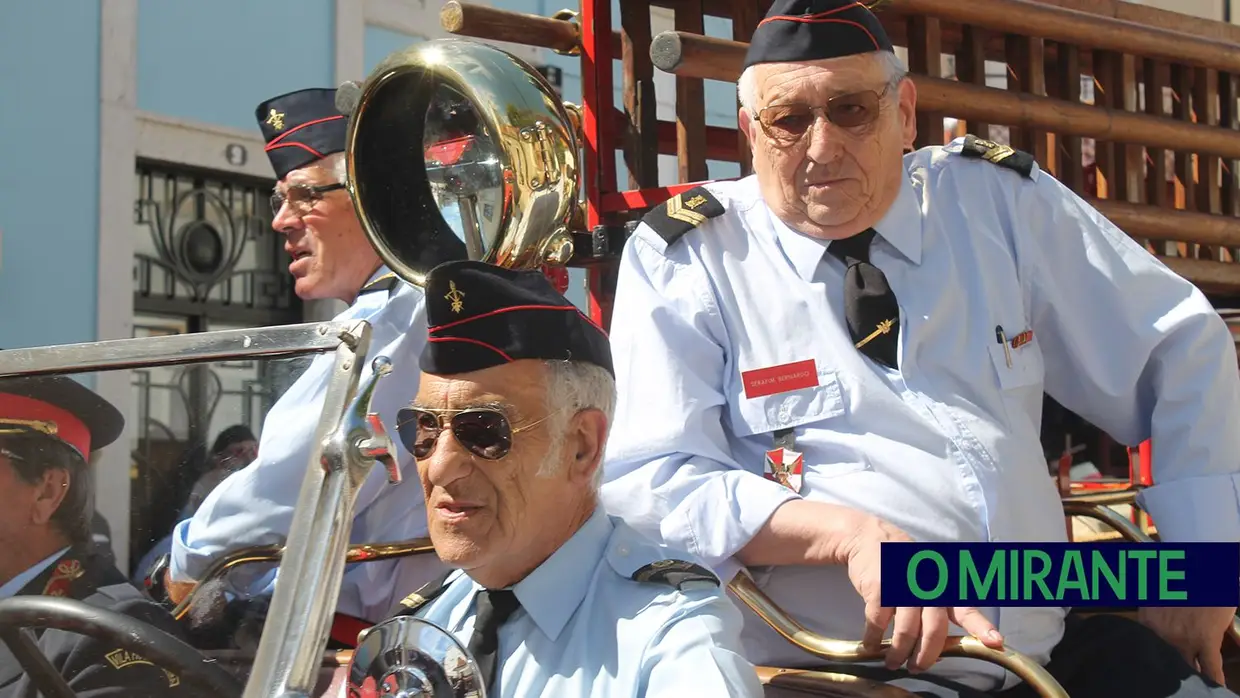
point(133, 196)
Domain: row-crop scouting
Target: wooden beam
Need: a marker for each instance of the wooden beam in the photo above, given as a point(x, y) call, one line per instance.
point(1086, 29)
point(720, 59)
point(483, 22)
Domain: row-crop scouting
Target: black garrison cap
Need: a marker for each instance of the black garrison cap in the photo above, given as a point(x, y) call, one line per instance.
point(61, 408)
point(814, 30)
point(481, 315)
point(301, 127)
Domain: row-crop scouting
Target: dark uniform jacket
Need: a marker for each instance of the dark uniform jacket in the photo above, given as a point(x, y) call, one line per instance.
point(92, 668)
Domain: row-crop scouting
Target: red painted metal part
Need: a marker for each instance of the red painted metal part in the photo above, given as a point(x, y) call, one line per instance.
point(599, 130)
point(641, 198)
point(1145, 476)
point(558, 276)
point(1145, 472)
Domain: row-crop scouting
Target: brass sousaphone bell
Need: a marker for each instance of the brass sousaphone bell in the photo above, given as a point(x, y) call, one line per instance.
point(459, 150)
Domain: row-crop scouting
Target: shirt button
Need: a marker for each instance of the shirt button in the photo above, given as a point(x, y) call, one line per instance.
point(622, 550)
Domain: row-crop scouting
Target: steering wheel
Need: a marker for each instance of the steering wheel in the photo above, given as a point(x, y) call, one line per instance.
point(118, 630)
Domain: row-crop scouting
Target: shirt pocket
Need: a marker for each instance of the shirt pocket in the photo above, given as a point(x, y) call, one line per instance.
point(1017, 368)
point(755, 421)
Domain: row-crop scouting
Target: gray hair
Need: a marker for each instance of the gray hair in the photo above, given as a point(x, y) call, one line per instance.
point(336, 165)
point(573, 386)
point(747, 87)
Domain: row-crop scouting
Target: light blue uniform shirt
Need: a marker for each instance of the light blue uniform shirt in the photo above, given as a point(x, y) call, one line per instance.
point(947, 448)
point(585, 628)
point(254, 506)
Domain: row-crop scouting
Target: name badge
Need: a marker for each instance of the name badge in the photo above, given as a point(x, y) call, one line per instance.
point(785, 378)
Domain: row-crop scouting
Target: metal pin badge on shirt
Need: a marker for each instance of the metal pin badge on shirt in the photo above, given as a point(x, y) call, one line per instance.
point(783, 463)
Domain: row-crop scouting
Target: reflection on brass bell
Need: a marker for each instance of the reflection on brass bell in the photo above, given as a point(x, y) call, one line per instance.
point(408, 657)
point(460, 150)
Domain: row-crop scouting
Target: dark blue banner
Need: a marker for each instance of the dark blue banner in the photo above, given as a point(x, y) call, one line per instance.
point(1060, 574)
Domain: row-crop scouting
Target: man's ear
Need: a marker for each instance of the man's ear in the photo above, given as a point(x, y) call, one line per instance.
point(746, 123)
point(908, 113)
point(49, 493)
point(588, 438)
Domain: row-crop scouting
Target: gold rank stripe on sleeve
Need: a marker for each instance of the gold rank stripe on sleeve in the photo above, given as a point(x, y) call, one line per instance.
point(681, 210)
point(997, 154)
point(682, 213)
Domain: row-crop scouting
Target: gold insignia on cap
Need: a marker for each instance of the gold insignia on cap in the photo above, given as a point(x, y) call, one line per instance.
point(39, 425)
point(276, 120)
point(454, 297)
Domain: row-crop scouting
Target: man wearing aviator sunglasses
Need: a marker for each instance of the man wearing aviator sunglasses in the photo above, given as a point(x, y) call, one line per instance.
point(331, 260)
point(552, 596)
point(851, 346)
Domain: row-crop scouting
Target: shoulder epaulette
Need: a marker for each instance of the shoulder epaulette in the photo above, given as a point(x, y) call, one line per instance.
point(674, 573)
point(387, 282)
point(1003, 155)
point(682, 213)
point(425, 594)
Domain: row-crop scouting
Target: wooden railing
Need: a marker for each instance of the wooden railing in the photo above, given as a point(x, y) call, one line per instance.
point(1164, 123)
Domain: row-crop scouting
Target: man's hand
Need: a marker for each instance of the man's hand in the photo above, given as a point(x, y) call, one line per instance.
point(1196, 632)
point(177, 591)
point(919, 633)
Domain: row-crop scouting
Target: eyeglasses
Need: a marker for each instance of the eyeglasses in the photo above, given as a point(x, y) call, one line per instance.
point(301, 197)
point(787, 123)
point(483, 431)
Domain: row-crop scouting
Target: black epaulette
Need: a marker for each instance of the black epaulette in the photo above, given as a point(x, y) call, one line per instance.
point(387, 282)
point(682, 213)
point(1004, 155)
point(425, 594)
point(674, 573)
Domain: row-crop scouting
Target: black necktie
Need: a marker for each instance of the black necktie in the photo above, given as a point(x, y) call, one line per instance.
point(493, 609)
point(870, 307)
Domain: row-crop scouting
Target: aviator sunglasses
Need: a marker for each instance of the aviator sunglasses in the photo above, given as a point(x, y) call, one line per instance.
point(483, 431)
point(787, 123)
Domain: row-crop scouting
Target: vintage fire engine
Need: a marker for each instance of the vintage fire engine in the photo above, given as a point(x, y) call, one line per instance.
point(1162, 126)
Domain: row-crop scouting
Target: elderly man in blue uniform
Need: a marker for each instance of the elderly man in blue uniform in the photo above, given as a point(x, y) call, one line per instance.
point(48, 428)
point(553, 596)
point(851, 346)
point(305, 135)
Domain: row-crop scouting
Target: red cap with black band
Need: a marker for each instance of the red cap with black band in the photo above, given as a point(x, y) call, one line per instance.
point(61, 408)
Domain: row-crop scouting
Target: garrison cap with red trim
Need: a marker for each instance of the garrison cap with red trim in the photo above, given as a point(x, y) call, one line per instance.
point(301, 127)
point(61, 408)
point(481, 315)
point(813, 30)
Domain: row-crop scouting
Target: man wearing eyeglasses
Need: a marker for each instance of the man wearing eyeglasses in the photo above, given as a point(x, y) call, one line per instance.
point(49, 426)
point(552, 596)
point(851, 346)
point(331, 259)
